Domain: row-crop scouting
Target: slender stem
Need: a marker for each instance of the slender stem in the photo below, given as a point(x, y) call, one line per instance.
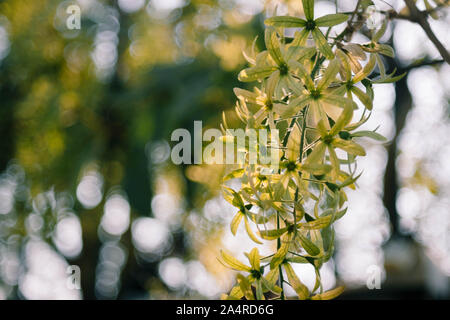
point(316, 67)
point(279, 267)
point(295, 254)
point(421, 19)
point(349, 29)
point(302, 140)
point(313, 180)
point(288, 132)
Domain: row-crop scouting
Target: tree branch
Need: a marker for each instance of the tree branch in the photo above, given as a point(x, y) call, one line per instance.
point(419, 17)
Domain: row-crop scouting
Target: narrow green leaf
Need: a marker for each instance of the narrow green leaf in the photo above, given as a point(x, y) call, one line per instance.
point(272, 276)
point(349, 181)
point(254, 259)
point(346, 70)
point(300, 71)
point(272, 234)
point(232, 197)
point(322, 43)
point(236, 222)
point(296, 86)
point(285, 22)
point(233, 263)
point(300, 38)
point(259, 291)
point(334, 163)
point(299, 53)
point(250, 232)
point(339, 214)
point(322, 128)
point(273, 45)
point(339, 101)
point(328, 295)
point(370, 134)
point(235, 293)
point(329, 75)
point(318, 279)
point(301, 290)
point(344, 118)
point(280, 255)
point(308, 245)
point(377, 36)
point(317, 154)
point(297, 259)
point(246, 287)
point(237, 199)
point(386, 50)
point(308, 8)
point(330, 20)
point(366, 71)
point(294, 106)
point(268, 286)
point(256, 73)
point(316, 168)
point(238, 173)
point(389, 78)
point(381, 66)
point(271, 84)
point(293, 144)
point(245, 95)
point(349, 146)
point(319, 223)
point(363, 97)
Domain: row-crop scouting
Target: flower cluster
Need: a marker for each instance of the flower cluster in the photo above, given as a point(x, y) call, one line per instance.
point(309, 85)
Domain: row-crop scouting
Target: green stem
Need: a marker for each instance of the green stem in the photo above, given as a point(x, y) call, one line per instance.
point(288, 132)
point(302, 141)
point(279, 267)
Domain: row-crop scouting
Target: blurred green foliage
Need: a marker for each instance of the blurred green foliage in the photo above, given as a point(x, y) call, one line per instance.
point(62, 114)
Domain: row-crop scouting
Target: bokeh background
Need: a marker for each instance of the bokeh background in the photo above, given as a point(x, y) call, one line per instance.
point(85, 172)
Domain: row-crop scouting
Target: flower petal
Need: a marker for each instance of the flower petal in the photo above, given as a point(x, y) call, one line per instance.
point(254, 259)
point(285, 22)
point(273, 45)
point(329, 75)
point(308, 8)
point(349, 146)
point(233, 263)
point(300, 70)
point(363, 97)
point(322, 43)
point(255, 73)
point(317, 154)
point(330, 20)
point(301, 290)
point(344, 119)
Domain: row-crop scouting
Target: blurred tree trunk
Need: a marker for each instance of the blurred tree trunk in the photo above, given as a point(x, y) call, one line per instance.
point(9, 97)
point(402, 106)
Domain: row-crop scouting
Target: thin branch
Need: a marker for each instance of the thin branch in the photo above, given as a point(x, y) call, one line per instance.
point(281, 279)
point(419, 17)
point(349, 29)
point(422, 64)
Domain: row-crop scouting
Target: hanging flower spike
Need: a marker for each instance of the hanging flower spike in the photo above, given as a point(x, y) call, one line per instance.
point(306, 98)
